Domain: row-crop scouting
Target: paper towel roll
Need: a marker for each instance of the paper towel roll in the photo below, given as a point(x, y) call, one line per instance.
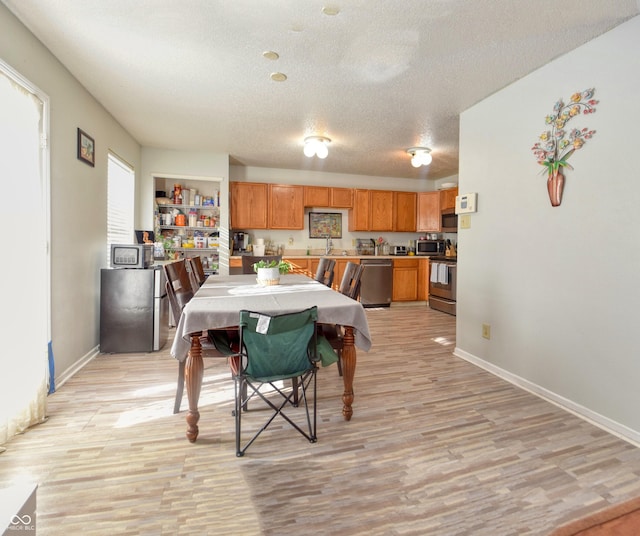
point(260, 241)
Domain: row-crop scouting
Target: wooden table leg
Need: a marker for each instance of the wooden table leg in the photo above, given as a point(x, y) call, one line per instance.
point(193, 372)
point(348, 371)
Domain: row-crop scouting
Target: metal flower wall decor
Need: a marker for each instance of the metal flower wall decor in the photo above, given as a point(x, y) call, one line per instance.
point(556, 145)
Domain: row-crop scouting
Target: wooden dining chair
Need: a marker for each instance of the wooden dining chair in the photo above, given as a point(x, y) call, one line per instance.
point(349, 286)
point(325, 271)
point(350, 283)
point(249, 260)
point(179, 287)
point(214, 343)
point(196, 272)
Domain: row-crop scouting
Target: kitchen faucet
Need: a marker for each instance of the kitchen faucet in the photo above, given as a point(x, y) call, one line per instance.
point(329, 247)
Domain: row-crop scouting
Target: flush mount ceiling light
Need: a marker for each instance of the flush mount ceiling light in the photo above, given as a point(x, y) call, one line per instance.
point(316, 145)
point(270, 55)
point(331, 11)
point(278, 77)
point(420, 156)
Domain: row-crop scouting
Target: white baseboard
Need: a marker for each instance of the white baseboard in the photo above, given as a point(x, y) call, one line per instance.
point(78, 365)
point(611, 426)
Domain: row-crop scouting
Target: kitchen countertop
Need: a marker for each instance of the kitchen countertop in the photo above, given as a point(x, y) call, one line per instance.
point(340, 256)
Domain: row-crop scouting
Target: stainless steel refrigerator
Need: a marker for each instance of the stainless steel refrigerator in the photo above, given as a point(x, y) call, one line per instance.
point(134, 310)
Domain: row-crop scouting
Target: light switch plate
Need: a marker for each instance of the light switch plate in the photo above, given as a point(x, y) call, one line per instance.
point(465, 221)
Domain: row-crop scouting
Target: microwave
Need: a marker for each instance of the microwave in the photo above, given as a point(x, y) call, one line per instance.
point(429, 247)
point(131, 255)
point(449, 221)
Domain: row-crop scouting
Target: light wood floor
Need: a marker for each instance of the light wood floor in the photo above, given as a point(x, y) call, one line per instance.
point(436, 446)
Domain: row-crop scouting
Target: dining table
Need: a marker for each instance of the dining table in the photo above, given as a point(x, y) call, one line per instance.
point(217, 305)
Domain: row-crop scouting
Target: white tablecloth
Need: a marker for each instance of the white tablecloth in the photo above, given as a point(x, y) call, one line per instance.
point(217, 304)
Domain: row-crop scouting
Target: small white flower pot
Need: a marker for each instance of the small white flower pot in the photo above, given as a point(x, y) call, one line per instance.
point(269, 276)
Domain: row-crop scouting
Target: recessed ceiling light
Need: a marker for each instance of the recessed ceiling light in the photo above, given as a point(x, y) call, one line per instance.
point(331, 11)
point(278, 77)
point(270, 55)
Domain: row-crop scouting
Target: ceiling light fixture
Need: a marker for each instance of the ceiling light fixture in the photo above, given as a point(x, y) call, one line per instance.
point(331, 11)
point(278, 77)
point(420, 156)
point(316, 145)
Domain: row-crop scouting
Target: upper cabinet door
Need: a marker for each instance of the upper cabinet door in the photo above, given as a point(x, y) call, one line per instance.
point(341, 197)
point(316, 196)
point(248, 205)
point(404, 211)
point(381, 210)
point(448, 198)
point(325, 196)
point(428, 218)
point(359, 214)
point(286, 206)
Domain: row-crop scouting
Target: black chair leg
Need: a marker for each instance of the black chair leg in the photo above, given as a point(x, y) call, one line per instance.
point(294, 386)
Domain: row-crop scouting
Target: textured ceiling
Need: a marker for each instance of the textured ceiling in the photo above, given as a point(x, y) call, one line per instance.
point(377, 78)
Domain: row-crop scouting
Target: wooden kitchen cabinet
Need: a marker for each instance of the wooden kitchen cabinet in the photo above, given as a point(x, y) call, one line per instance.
point(325, 196)
point(300, 266)
point(317, 196)
point(404, 211)
point(428, 212)
point(448, 198)
point(341, 197)
point(313, 265)
point(381, 205)
point(359, 214)
point(429, 207)
point(372, 211)
point(286, 206)
point(248, 205)
point(424, 267)
point(405, 279)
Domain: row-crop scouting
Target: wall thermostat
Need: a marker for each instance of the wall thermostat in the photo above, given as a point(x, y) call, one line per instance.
point(466, 203)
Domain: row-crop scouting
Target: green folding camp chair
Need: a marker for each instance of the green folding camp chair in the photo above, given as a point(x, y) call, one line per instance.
point(274, 349)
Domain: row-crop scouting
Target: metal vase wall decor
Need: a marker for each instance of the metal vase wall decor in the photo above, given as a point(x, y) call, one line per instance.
point(555, 146)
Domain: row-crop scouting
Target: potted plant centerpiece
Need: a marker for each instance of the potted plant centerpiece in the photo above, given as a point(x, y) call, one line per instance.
point(269, 271)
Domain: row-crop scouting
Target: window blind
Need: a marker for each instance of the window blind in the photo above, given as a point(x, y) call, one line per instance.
point(120, 203)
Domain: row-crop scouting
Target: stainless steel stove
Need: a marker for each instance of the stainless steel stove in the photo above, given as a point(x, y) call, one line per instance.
point(442, 284)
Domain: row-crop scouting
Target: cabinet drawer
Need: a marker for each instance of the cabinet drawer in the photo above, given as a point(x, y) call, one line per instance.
point(406, 263)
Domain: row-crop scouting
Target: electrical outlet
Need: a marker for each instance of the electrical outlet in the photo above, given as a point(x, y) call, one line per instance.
point(486, 331)
point(291, 240)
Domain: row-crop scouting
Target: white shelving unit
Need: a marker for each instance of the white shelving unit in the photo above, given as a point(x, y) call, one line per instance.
point(194, 239)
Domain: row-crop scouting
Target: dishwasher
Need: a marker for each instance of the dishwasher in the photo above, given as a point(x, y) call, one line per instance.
point(376, 282)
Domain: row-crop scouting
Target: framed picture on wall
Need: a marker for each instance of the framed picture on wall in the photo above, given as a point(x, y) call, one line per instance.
point(86, 148)
point(323, 224)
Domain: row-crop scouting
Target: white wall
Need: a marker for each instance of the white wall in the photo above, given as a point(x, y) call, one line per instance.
point(560, 286)
point(78, 193)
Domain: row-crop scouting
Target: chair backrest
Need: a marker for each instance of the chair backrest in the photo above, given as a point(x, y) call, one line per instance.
point(280, 345)
point(178, 286)
point(196, 272)
point(324, 274)
point(350, 284)
point(249, 260)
